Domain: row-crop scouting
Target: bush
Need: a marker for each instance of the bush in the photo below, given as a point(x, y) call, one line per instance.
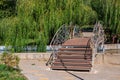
point(9, 67)
point(10, 59)
point(10, 73)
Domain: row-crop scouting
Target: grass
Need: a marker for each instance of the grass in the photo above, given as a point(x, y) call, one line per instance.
point(9, 73)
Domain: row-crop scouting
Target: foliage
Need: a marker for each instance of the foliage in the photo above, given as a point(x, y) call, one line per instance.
point(37, 21)
point(9, 67)
point(7, 8)
point(109, 13)
point(9, 59)
point(34, 22)
point(9, 73)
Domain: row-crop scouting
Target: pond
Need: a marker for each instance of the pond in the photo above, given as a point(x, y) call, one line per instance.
point(29, 49)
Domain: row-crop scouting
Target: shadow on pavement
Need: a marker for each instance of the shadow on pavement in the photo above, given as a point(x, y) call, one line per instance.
point(75, 75)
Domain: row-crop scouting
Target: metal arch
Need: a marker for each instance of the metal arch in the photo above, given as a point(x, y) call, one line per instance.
point(64, 33)
point(98, 37)
point(67, 32)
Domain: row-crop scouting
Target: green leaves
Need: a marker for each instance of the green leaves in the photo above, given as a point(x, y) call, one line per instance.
point(7, 8)
point(10, 73)
point(109, 13)
point(9, 59)
point(36, 21)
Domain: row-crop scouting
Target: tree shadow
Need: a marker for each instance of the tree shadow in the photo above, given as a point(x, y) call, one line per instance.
point(75, 75)
point(70, 72)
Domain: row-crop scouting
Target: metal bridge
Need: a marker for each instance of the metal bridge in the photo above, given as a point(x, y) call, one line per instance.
point(71, 50)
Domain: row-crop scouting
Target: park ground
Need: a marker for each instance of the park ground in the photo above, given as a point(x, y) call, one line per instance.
point(37, 70)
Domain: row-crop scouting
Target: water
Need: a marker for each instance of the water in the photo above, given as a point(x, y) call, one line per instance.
point(2, 49)
point(29, 49)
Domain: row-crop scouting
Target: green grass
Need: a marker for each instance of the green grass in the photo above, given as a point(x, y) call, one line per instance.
point(9, 73)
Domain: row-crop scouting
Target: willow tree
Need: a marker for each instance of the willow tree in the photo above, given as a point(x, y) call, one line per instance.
point(7, 8)
point(51, 14)
point(109, 13)
point(37, 21)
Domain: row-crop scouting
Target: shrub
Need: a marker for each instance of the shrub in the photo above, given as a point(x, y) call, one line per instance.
point(10, 73)
point(10, 59)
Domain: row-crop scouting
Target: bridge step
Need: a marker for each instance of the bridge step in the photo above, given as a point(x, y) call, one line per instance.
point(77, 42)
point(73, 60)
point(71, 68)
point(72, 64)
point(75, 49)
point(74, 55)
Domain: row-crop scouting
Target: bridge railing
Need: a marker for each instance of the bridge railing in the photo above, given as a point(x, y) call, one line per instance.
point(63, 33)
point(67, 32)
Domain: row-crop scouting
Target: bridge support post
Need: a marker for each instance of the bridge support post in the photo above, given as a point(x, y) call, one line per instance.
point(93, 59)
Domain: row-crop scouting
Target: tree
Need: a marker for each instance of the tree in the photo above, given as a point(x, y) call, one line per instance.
point(7, 8)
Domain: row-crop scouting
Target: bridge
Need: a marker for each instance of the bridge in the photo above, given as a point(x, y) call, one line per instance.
point(73, 50)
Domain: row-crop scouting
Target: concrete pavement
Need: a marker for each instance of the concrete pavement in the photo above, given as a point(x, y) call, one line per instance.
point(36, 70)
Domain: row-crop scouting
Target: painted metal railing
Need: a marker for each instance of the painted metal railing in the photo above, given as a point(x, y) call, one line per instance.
point(63, 33)
point(67, 32)
point(98, 38)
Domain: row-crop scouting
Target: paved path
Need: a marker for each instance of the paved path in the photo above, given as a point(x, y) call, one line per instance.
point(36, 70)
